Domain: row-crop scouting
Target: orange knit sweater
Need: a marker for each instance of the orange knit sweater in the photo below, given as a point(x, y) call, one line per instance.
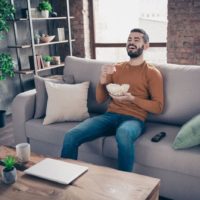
point(146, 84)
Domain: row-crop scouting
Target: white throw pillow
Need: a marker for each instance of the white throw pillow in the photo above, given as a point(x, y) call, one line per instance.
point(66, 102)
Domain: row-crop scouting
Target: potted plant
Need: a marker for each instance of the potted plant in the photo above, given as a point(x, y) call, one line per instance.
point(7, 11)
point(6, 66)
point(9, 173)
point(45, 7)
point(47, 59)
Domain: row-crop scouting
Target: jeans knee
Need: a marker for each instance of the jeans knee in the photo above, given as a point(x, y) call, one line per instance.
point(126, 135)
point(122, 135)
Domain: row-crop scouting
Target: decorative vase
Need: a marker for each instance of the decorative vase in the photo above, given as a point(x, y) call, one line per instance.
point(56, 60)
point(45, 13)
point(37, 40)
point(9, 177)
point(2, 118)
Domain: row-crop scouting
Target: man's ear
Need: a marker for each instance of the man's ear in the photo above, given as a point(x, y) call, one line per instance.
point(146, 46)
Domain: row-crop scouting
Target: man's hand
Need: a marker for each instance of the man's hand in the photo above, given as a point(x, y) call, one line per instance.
point(105, 70)
point(125, 97)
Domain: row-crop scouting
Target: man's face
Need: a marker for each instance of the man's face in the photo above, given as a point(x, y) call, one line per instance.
point(135, 44)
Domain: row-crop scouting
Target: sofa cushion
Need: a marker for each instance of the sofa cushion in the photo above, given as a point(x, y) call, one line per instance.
point(86, 70)
point(160, 155)
point(54, 134)
point(66, 102)
point(41, 95)
point(189, 135)
point(68, 78)
point(182, 100)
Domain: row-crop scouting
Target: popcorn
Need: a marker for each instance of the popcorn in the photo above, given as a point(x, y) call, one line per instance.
point(116, 89)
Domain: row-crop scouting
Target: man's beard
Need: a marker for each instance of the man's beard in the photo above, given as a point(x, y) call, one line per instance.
point(137, 53)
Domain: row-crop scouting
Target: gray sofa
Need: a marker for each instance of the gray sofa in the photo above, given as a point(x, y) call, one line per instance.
point(179, 170)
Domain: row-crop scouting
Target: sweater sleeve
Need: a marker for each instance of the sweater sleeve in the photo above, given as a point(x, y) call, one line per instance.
point(155, 87)
point(101, 92)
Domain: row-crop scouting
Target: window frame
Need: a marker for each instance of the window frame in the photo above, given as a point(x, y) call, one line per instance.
point(95, 44)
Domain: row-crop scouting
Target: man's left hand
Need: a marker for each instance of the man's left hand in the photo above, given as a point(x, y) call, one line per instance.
point(125, 97)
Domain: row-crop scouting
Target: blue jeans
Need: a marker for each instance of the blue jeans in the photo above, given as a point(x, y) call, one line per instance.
point(125, 128)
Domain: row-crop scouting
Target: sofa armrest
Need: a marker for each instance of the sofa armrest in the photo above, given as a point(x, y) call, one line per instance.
point(23, 108)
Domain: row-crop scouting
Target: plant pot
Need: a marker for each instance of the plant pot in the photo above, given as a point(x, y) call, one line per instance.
point(9, 177)
point(46, 64)
point(45, 13)
point(2, 118)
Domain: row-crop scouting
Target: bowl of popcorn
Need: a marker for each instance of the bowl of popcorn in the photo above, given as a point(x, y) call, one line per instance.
point(117, 89)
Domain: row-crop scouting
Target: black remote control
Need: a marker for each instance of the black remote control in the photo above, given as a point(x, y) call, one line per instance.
point(158, 137)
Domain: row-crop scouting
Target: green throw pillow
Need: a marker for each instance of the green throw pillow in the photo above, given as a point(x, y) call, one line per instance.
point(189, 134)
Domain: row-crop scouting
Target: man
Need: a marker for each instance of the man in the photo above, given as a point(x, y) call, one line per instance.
point(126, 114)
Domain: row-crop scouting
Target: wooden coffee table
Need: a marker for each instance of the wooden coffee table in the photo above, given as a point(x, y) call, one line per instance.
point(98, 183)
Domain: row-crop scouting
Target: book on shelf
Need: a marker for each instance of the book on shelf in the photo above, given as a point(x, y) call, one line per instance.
point(31, 62)
point(39, 62)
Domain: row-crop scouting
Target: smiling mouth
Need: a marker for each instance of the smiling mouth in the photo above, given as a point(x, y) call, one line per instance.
point(132, 47)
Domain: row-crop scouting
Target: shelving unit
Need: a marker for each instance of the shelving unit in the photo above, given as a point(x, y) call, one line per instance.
point(32, 45)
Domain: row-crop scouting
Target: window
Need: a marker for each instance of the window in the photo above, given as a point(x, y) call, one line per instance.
point(113, 21)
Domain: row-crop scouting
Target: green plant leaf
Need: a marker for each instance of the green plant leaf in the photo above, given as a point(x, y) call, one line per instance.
point(6, 66)
point(9, 162)
point(47, 58)
point(7, 12)
point(45, 5)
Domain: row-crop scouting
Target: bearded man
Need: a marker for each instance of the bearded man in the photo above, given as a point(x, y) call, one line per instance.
point(126, 114)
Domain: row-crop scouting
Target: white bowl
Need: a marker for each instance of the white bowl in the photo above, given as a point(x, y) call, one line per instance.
point(116, 89)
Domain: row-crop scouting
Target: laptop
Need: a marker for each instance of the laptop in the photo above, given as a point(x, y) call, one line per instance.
point(56, 170)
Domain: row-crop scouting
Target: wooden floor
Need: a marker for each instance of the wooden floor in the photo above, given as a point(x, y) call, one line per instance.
point(6, 133)
point(7, 138)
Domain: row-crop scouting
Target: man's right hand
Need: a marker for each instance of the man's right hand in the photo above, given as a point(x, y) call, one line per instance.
point(105, 70)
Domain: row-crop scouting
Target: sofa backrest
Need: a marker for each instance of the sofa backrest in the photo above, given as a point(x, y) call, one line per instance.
point(86, 70)
point(182, 96)
point(181, 82)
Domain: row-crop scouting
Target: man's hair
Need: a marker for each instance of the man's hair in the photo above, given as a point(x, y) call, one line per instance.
point(145, 35)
